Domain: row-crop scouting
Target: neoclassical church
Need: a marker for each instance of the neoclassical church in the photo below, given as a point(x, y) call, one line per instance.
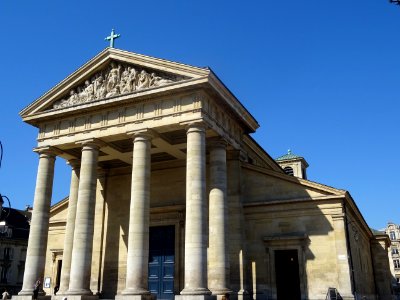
point(171, 197)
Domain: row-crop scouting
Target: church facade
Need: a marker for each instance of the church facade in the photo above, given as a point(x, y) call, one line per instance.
point(170, 197)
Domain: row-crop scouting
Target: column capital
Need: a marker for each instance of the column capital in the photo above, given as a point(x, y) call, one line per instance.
point(92, 142)
point(195, 126)
point(47, 151)
point(217, 142)
point(146, 133)
point(74, 163)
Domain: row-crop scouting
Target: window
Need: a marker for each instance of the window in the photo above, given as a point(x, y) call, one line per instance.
point(392, 235)
point(395, 251)
point(4, 273)
point(396, 263)
point(288, 171)
point(7, 253)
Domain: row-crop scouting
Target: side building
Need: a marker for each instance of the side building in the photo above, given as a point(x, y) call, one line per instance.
point(14, 232)
point(393, 231)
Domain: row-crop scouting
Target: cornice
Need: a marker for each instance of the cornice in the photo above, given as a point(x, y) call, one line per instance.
point(357, 214)
point(336, 198)
point(233, 102)
point(296, 180)
point(254, 146)
point(59, 204)
point(163, 64)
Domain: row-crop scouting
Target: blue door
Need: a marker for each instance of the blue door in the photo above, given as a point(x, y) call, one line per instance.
point(162, 261)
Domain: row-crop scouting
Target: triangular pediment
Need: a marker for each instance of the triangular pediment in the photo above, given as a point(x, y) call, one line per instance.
point(116, 75)
point(110, 74)
point(116, 79)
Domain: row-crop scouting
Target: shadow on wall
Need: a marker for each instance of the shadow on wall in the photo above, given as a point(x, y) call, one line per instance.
point(117, 201)
point(286, 215)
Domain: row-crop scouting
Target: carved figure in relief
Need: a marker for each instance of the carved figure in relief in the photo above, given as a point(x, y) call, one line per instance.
point(157, 80)
point(89, 90)
point(125, 84)
point(86, 93)
point(73, 97)
point(117, 79)
point(144, 80)
point(81, 94)
point(61, 103)
point(133, 79)
point(100, 87)
point(113, 77)
point(115, 91)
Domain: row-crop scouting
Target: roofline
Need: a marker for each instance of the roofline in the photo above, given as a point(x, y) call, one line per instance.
point(252, 122)
point(358, 213)
point(292, 160)
point(384, 237)
point(297, 180)
point(59, 203)
point(260, 150)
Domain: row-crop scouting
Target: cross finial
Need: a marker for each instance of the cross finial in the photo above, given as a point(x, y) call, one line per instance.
point(112, 37)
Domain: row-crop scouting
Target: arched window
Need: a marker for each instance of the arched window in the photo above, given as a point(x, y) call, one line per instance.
point(288, 171)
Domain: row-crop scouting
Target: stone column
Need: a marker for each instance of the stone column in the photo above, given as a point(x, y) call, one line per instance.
point(37, 243)
point(70, 227)
point(79, 283)
point(96, 281)
point(342, 257)
point(196, 214)
point(139, 219)
point(218, 256)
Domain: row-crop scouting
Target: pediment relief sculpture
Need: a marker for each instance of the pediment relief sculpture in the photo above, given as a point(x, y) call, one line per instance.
point(116, 79)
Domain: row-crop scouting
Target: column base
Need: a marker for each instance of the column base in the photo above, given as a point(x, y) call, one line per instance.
point(30, 297)
point(136, 297)
point(221, 296)
point(243, 295)
point(193, 297)
point(74, 297)
point(220, 292)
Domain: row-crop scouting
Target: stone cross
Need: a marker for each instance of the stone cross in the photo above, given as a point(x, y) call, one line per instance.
point(112, 37)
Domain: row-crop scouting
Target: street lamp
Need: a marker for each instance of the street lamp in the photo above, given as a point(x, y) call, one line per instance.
point(4, 214)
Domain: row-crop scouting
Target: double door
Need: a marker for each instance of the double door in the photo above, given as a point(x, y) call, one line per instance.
point(162, 261)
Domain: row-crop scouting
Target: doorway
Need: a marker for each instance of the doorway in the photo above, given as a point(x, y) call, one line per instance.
point(287, 275)
point(58, 276)
point(162, 261)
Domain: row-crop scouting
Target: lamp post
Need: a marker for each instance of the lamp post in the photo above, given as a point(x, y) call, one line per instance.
point(4, 214)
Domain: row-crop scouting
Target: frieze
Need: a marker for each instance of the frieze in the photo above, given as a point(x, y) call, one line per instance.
point(116, 79)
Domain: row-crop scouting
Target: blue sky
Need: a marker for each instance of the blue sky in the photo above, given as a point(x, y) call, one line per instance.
point(321, 78)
